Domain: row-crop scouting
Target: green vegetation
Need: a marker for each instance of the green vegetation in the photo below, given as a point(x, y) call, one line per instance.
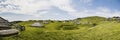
point(90, 28)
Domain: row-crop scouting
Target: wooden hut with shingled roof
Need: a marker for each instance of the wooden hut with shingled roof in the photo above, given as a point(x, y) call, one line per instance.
point(6, 29)
point(4, 24)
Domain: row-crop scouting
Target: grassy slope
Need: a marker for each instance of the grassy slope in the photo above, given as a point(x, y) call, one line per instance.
point(106, 30)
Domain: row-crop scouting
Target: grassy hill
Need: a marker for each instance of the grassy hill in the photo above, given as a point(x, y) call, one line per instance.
point(90, 28)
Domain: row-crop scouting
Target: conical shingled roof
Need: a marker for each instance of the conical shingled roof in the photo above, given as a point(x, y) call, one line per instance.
point(37, 24)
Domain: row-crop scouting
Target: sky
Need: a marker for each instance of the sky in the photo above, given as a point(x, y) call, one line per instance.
point(14, 10)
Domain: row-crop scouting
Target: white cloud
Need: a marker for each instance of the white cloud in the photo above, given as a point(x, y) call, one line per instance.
point(28, 6)
point(100, 11)
point(31, 7)
point(63, 5)
point(86, 1)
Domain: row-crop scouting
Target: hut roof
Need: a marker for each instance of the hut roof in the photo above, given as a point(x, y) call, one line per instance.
point(37, 24)
point(45, 22)
point(8, 32)
point(4, 23)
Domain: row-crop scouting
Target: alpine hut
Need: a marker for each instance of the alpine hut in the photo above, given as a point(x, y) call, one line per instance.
point(6, 29)
point(4, 24)
point(37, 24)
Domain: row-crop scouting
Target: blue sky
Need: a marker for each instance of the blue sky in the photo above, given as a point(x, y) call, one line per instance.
point(13, 10)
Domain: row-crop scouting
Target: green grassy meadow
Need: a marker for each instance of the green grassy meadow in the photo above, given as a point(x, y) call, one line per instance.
point(90, 28)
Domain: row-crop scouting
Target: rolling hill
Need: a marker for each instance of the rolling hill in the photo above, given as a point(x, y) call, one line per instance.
point(90, 28)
